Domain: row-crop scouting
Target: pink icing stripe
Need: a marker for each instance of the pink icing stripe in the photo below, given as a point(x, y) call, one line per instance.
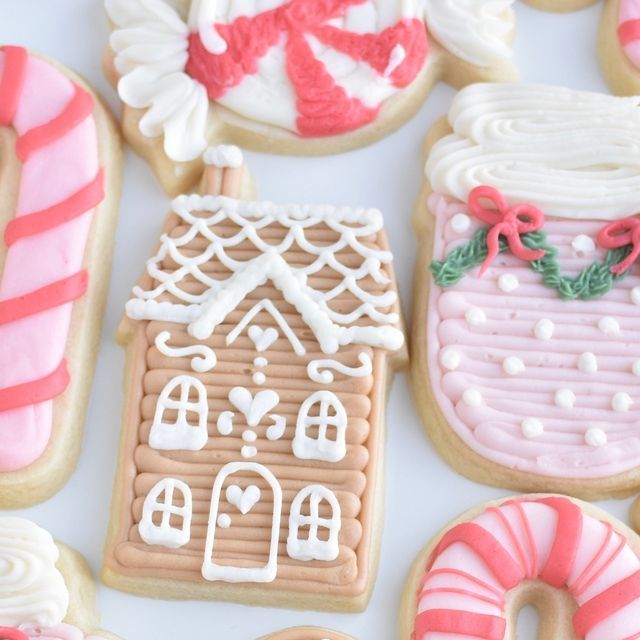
point(57, 140)
point(12, 82)
point(629, 30)
point(606, 587)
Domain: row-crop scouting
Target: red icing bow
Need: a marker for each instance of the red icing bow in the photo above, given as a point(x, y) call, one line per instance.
point(11, 633)
point(506, 221)
point(620, 234)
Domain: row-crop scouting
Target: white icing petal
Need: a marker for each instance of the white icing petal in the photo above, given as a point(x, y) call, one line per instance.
point(32, 590)
point(565, 398)
point(621, 402)
point(477, 31)
point(573, 154)
point(532, 428)
point(609, 326)
point(150, 44)
point(587, 362)
point(544, 329)
point(595, 437)
point(508, 282)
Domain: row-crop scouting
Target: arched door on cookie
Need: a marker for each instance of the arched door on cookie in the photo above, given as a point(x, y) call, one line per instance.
point(244, 525)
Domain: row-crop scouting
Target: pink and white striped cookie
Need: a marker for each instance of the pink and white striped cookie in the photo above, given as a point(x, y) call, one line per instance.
point(619, 45)
point(60, 182)
point(579, 566)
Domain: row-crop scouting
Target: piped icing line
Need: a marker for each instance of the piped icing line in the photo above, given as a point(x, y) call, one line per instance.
point(588, 556)
point(12, 633)
point(56, 136)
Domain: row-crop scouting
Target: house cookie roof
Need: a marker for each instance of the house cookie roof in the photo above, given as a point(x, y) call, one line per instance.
point(225, 248)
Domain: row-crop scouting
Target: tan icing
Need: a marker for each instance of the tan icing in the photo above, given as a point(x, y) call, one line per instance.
point(354, 479)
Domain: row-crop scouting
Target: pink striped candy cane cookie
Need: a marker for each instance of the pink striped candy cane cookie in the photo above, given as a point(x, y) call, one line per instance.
point(58, 246)
point(466, 582)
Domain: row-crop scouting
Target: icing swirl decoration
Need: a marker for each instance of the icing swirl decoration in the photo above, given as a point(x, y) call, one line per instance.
point(32, 590)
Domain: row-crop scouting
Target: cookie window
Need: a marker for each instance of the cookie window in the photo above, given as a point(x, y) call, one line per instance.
point(166, 514)
point(187, 429)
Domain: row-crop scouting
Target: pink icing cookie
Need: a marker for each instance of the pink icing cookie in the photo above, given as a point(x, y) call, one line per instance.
point(290, 76)
point(474, 577)
point(65, 147)
point(526, 361)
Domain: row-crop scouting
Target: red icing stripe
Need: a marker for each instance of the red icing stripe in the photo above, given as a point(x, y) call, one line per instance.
point(87, 198)
point(604, 605)
point(48, 297)
point(79, 108)
point(35, 391)
point(629, 31)
point(13, 76)
point(463, 623)
point(11, 633)
point(508, 572)
point(565, 544)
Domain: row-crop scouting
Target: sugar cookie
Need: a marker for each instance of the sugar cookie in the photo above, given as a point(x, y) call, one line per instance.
point(292, 76)
point(260, 345)
point(575, 563)
point(60, 173)
point(307, 633)
point(532, 386)
point(619, 45)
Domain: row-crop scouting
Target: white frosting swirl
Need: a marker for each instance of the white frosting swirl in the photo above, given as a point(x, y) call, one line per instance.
point(224, 156)
point(32, 590)
point(572, 153)
point(477, 31)
point(151, 45)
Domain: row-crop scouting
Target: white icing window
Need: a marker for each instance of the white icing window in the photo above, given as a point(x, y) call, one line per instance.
point(321, 428)
point(187, 429)
point(314, 525)
point(166, 514)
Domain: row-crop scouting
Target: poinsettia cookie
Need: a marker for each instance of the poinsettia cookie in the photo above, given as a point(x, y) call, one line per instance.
point(576, 564)
point(46, 591)
point(292, 76)
point(60, 175)
point(307, 633)
point(619, 45)
point(260, 346)
point(526, 362)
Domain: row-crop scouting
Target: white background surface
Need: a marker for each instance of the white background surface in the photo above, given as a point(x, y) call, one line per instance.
point(422, 493)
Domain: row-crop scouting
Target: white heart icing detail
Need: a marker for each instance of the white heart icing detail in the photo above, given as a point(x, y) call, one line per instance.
point(262, 338)
point(243, 500)
point(255, 407)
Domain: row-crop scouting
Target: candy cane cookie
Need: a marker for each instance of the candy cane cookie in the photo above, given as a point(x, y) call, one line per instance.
point(60, 175)
point(576, 564)
point(290, 76)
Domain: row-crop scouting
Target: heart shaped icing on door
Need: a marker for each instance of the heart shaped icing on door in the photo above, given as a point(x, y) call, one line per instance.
point(243, 499)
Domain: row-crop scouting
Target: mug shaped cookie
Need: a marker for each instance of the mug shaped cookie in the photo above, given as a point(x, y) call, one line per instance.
point(290, 76)
point(60, 176)
point(526, 360)
point(576, 564)
point(46, 591)
point(260, 345)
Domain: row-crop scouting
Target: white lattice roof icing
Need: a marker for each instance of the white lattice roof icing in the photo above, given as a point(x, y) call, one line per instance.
point(240, 246)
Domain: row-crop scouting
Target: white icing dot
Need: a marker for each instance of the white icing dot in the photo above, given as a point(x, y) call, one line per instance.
point(460, 222)
point(472, 398)
point(224, 521)
point(621, 402)
point(508, 282)
point(635, 367)
point(544, 329)
point(475, 316)
point(583, 245)
point(259, 378)
point(565, 398)
point(587, 362)
point(595, 437)
point(248, 452)
point(513, 365)
point(635, 295)
point(249, 436)
point(532, 428)
point(260, 362)
point(609, 326)
point(450, 359)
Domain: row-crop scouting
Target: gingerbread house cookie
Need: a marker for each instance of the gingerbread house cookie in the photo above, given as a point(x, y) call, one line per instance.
point(526, 361)
point(60, 174)
point(259, 346)
point(290, 76)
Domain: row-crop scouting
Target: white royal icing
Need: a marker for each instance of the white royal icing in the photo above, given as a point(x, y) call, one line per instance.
point(32, 590)
point(513, 365)
point(477, 31)
point(532, 428)
point(595, 437)
point(565, 398)
point(204, 358)
point(319, 370)
point(224, 156)
point(573, 154)
point(544, 329)
point(588, 362)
